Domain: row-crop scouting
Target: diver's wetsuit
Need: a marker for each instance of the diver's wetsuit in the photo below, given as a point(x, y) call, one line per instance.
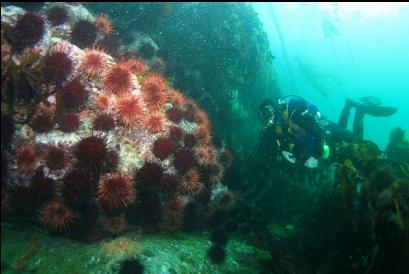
point(358, 125)
point(312, 129)
point(308, 134)
point(296, 127)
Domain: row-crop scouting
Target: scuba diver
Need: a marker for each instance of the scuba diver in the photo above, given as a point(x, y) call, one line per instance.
point(398, 146)
point(301, 134)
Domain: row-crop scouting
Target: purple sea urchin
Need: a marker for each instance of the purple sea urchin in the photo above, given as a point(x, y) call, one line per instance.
point(84, 33)
point(57, 66)
point(91, 152)
point(74, 94)
point(69, 122)
point(104, 121)
point(57, 15)
point(28, 31)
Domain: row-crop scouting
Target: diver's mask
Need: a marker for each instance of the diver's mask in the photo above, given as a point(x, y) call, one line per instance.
point(267, 113)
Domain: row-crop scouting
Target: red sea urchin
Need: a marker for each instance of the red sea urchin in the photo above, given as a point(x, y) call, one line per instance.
point(28, 31)
point(154, 91)
point(114, 225)
point(91, 152)
point(102, 101)
point(26, 158)
point(135, 66)
point(56, 216)
point(103, 24)
point(190, 183)
point(94, 62)
point(115, 191)
point(190, 111)
point(202, 118)
point(129, 110)
point(203, 135)
point(178, 99)
point(118, 79)
point(206, 155)
point(155, 123)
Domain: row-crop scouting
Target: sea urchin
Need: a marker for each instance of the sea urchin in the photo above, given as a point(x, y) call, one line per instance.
point(28, 31)
point(154, 91)
point(56, 216)
point(190, 183)
point(155, 123)
point(163, 147)
point(118, 79)
point(94, 62)
point(103, 24)
point(115, 191)
point(58, 66)
point(129, 111)
point(56, 158)
point(91, 152)
point(84, 33)
point(26, 158)
point(57, 15)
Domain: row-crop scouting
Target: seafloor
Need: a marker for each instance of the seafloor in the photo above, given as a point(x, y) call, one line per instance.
point(36, 252)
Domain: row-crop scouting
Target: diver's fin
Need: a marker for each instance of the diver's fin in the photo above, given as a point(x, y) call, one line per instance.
point(370, 100)
point(376, 110)
point(371, 105)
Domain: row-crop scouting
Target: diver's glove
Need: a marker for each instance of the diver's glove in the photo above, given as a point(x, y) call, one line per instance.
point(311, 162)
point(288, 156)
point(325, 151)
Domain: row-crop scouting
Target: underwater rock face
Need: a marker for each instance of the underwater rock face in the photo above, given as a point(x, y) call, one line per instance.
point(90, 125)
point(217, 53)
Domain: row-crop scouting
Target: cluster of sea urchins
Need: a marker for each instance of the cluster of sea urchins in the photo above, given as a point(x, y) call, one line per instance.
point(112, 144)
